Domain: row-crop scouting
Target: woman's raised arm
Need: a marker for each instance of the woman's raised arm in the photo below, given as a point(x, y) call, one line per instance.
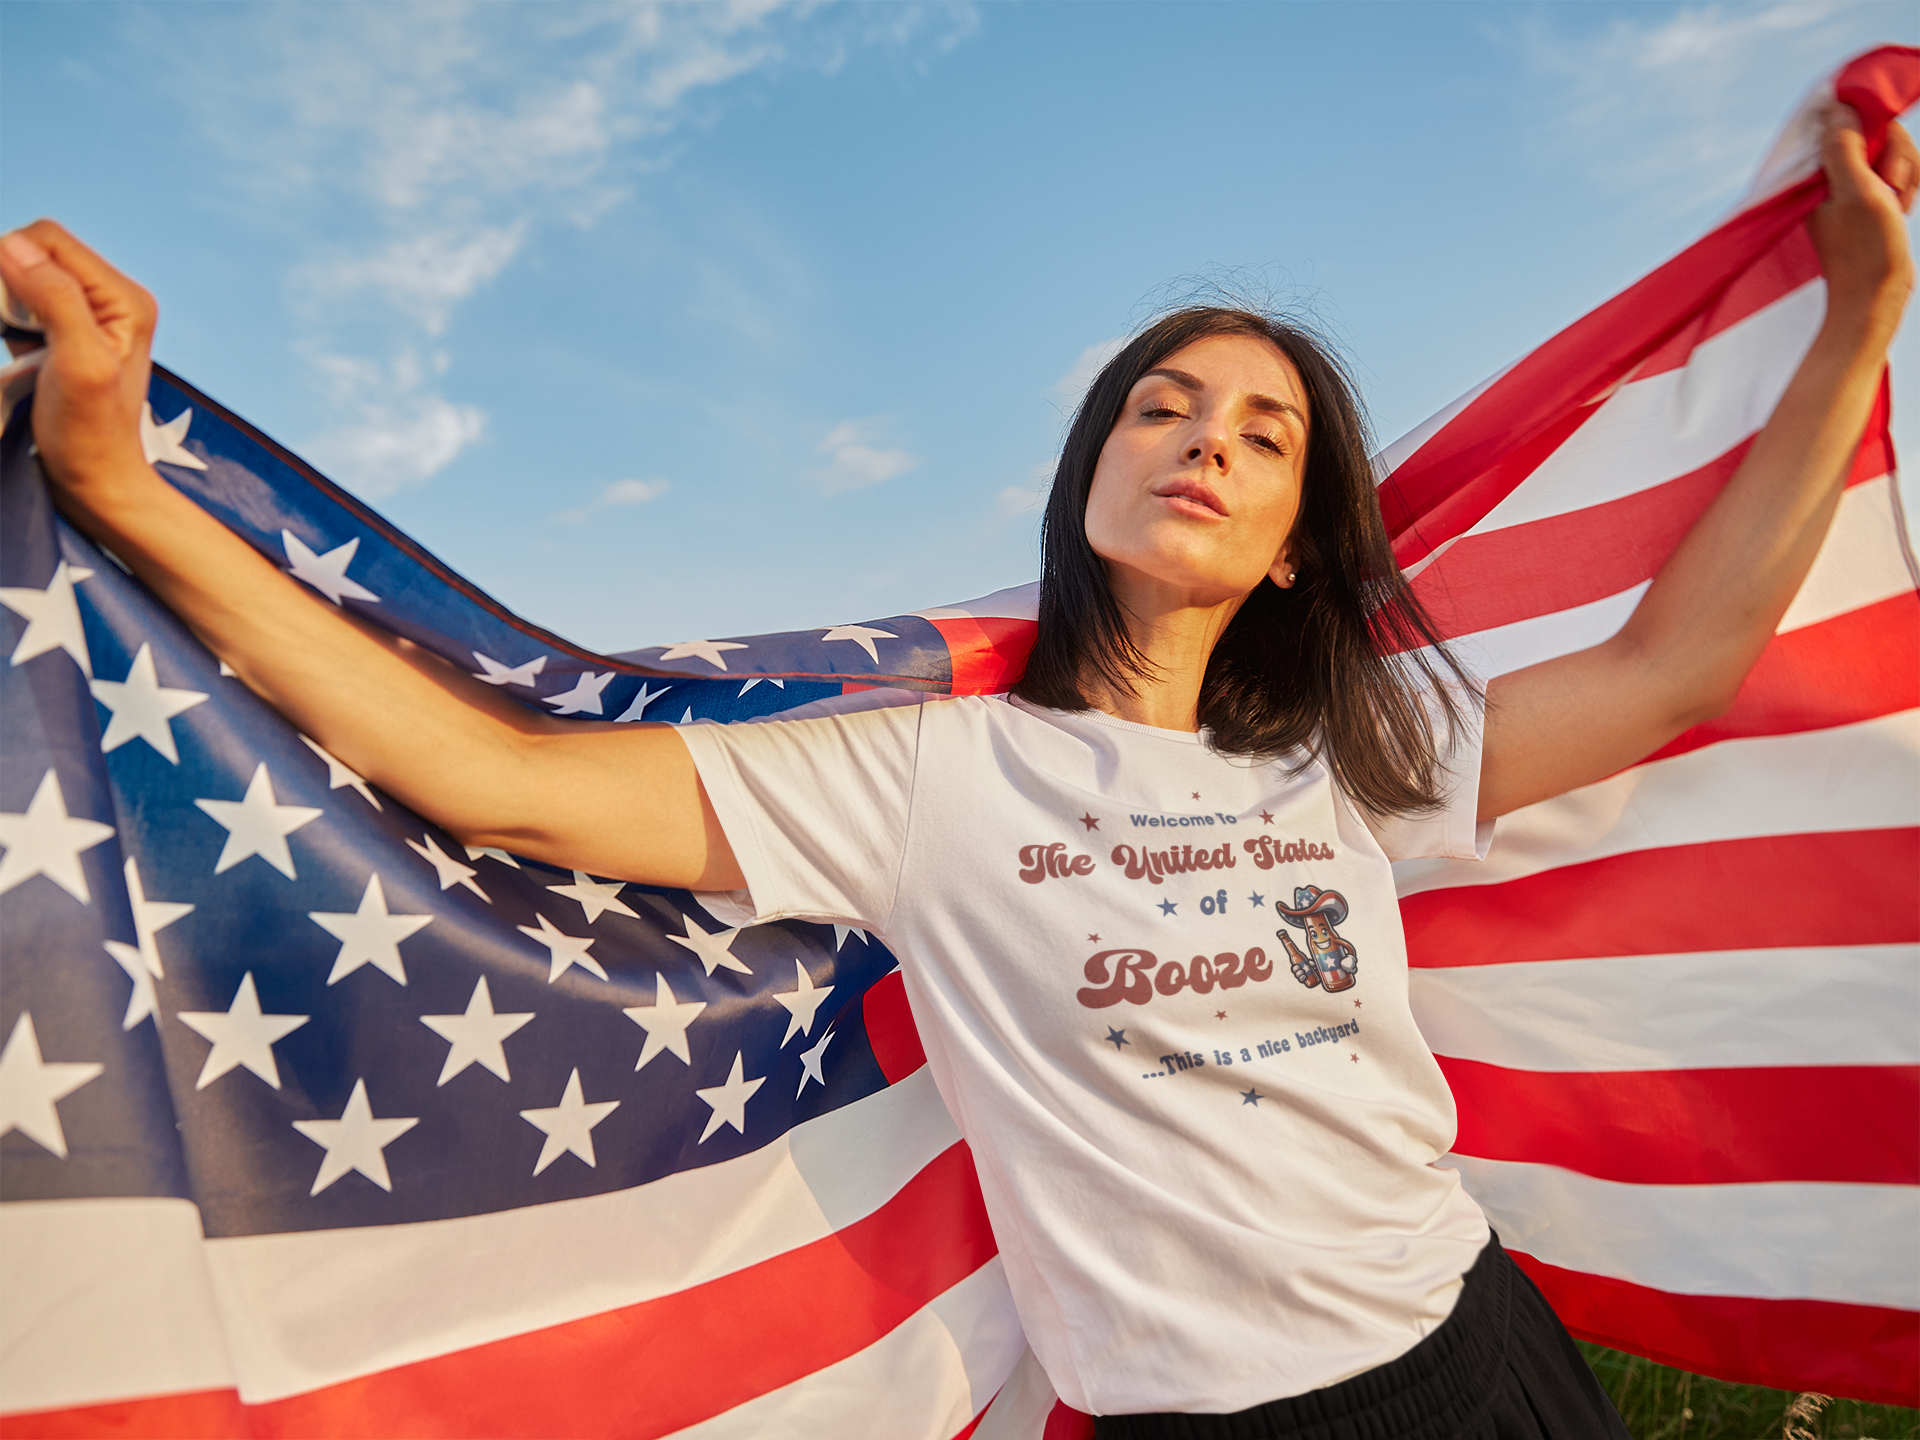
point(616, 800)
point(1682, 655)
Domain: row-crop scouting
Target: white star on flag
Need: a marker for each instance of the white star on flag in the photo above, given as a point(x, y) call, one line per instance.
point(714, 948)
point(802, 1004)
point(241, 1035)
point(569, 1125)
point(729, 1101)
point(31, 1086)
point(491, 852)
point(142, 961)
point(52, 616)
point(840, 933)
point(707, 650)
point(326, 573)
point(637, 708)
point(256, 825)
point(666, 1022)
point(564, 951)
point(339, 777)
point(686, 719)
point(763, 680)
point(583, 698)
point(495, 673)
point(449, 870)
point(596, 897)
point(46, 840)
point(369, 936)
point(811, 1062)
point(476, 1036)
point(356, 1141)
point(861, 635)
point(142, 707)
point(164, 444)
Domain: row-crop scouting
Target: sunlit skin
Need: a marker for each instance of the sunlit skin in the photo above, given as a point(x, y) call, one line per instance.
point(1192, 505)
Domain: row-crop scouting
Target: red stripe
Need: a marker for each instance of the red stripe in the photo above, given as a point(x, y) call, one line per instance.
point(649, 1369)
point(1838, 1124)
point(199, 1415)
point(1841, 671)
point(891, 1033)
point(1540, 567)
point(1721, 895)
point(1774, 276)
point(988, 652)
point(1066, 1423)
point(1865, 1352)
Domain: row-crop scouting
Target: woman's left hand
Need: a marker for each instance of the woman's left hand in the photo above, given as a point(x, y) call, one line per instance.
point(1860, 232)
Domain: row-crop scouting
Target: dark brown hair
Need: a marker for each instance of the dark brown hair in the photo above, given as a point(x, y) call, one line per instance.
point(1333, 667)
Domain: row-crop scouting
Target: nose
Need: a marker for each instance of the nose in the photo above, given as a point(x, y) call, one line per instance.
point(1209, 446)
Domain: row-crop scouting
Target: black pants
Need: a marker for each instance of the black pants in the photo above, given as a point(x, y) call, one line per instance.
point(1501, 1367)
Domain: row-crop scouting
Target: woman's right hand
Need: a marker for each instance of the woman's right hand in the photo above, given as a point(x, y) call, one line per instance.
point(93, 384)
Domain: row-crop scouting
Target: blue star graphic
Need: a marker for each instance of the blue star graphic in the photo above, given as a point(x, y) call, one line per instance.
point(1117, 1038)
point(1167, 907)
point(1256, 899)
point(1251, 1097)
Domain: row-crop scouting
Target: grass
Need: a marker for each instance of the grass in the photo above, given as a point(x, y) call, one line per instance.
point(1659, 1403)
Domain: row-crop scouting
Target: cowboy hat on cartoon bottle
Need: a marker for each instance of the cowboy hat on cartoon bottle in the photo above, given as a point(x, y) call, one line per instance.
point(1330, 961)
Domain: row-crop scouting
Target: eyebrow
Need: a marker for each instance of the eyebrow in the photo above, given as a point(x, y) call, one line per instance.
point(1189, 381)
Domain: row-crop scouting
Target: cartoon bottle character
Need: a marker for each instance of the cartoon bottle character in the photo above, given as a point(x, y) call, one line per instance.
point(1330, 961)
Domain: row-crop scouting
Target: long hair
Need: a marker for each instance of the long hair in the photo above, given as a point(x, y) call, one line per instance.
point(1334, 667)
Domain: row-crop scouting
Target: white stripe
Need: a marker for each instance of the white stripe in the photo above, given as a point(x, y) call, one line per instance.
point(318, 1307)
point(1864, 776)
point(924, 1380)
point(1020, 1410)
point(1861, 563)
point(104, 1300)
point(1654, 430)
point(1854, 1244)
point(1856, 1005)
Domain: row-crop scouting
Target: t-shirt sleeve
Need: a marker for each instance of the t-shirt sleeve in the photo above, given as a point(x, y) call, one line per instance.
point(816, 810)
point(1454, 831)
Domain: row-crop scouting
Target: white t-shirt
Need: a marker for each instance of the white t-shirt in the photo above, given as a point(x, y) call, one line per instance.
point(1211, 1182)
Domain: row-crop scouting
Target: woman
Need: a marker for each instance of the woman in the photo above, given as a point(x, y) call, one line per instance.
point(1209, 1177)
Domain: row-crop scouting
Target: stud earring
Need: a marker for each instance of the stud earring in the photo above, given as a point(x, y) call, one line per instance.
point(1289, 577)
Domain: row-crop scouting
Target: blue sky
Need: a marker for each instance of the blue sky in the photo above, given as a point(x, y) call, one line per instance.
point(667, 321)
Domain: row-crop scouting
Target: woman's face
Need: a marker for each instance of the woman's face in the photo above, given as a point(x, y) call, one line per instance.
point(1196, 489)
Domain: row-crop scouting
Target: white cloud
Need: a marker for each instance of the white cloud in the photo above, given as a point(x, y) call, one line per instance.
point(855, 461)
point(1071, 387)
point(1675, 109)
point(620, 492)
point(422, 148)
point(1018, 499)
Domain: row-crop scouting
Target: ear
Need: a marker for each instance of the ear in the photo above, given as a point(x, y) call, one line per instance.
point(1282, 570)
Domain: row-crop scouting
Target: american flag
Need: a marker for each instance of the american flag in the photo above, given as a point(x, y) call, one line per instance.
point(314, 1121)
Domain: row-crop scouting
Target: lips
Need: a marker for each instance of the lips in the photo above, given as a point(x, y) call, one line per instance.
point(1194, 490)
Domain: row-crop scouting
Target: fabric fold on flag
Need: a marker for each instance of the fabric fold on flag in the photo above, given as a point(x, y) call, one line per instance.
point(314, 1121)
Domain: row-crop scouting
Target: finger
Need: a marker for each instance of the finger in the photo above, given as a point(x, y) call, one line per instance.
point(1843, 155)
point(56, 297)
point(121, 307)
point(1900, 165)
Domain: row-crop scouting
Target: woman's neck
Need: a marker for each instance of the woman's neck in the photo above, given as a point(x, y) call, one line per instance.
point(1175, 636)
